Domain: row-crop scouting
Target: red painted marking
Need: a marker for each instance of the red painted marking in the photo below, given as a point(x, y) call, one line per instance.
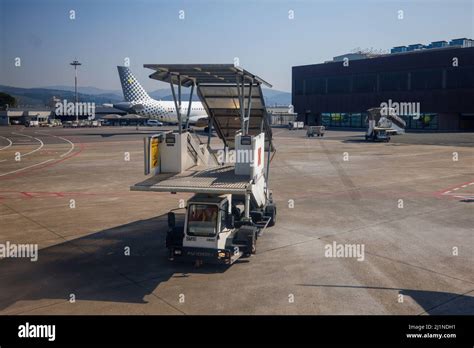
point(42, 194)
point(440, 192)
point(26, 172)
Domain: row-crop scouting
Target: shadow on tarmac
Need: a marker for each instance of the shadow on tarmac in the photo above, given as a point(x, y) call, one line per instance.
point(432, 302)
point(96, 267)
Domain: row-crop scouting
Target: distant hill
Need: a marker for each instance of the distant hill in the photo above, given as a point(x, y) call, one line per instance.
point(43, 95)
point(275, 97)
point(86, 90)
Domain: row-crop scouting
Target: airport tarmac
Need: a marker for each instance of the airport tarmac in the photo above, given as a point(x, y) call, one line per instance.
point(409, 204)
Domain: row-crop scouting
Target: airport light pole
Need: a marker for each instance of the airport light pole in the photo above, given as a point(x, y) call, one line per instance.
point(75, 63)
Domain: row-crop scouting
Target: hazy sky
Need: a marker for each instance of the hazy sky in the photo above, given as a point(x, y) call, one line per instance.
point(260, 33)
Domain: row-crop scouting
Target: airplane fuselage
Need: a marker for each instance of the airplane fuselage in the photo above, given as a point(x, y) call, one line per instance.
point(163, 111)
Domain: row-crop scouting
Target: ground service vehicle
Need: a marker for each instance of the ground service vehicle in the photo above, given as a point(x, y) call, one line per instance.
point(292, 125)
point(315, 130)
point(382, 124)
point(232, 204)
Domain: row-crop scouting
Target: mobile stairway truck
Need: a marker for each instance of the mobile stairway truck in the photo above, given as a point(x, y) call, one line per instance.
point(231, 204)
point(383, 123)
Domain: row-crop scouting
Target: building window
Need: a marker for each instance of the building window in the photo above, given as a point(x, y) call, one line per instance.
point(427, 79)
point(339, 84)
point(394, 81)
point(356, 120)
point(365, 83)
point(337, 119)
point(345, 120)
point(426, 121)
point(326, 119)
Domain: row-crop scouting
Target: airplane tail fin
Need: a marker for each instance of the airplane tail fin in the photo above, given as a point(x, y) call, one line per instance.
point(132, 90)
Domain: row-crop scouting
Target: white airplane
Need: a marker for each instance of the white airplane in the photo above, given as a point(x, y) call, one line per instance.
point(138, 101)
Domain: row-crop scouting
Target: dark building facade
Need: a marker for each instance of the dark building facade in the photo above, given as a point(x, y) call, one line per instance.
point(438, 81)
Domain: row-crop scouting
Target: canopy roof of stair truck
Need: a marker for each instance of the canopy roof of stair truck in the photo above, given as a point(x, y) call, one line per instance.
point(218, 88)
point(201, 73)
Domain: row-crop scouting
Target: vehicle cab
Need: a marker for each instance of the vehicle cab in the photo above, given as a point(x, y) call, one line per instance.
point(208, 230)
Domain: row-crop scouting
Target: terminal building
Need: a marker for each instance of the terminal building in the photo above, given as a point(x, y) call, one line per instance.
point(21, 115)
point(14, 116)
point(281, 115)
point(436, 79)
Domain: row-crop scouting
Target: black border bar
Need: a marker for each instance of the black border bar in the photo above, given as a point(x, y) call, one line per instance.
point(223, 330)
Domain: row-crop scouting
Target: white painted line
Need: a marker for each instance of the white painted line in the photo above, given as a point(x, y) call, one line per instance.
point(455, 189)
point(37, 149)
point(472, 183)
point(70, 150)
point(445, 193)
point(56, 136)
point(21, 169)
point(465, 197)
point(464, 186)
point(6, 147)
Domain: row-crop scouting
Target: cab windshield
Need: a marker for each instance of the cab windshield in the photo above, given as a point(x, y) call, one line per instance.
point(202, 220)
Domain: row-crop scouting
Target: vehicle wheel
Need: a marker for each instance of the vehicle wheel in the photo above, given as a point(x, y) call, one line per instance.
point(247, 236)
point(271, 212)
point(252, 244)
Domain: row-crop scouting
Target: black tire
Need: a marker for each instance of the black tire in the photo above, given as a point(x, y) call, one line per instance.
point(247, 235)
point(174, 237)
point(271, 212)
point(252, 243)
